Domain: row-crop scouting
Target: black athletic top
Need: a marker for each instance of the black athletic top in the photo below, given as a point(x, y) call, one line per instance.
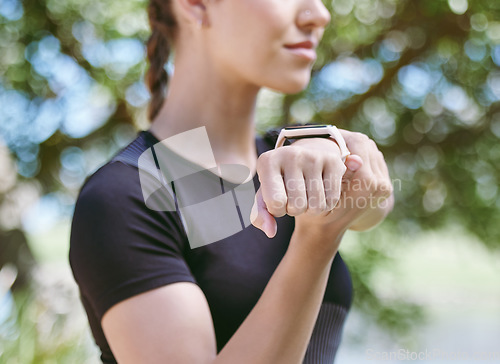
point(119, 248)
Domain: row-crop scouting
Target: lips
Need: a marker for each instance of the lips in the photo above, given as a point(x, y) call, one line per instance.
point(307, 44)
point(304, 49)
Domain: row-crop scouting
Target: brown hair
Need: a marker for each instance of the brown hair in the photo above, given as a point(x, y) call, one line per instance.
point(163, 32)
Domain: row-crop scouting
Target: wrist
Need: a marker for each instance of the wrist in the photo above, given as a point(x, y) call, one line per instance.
point(318, 243)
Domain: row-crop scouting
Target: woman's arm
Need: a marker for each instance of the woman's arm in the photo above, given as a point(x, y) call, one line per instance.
point(173, 324)
point(279, 327)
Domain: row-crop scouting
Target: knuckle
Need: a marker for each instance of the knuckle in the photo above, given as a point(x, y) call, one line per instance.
point(260, 167)
point(315, 164)
point(361, 137)
point(276, 207)
point(335, 161)
point(303, 157)
point(294, 156)
point(295, 207)
point(264, 159)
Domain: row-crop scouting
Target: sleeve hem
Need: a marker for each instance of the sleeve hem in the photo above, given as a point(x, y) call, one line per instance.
point(105, 302)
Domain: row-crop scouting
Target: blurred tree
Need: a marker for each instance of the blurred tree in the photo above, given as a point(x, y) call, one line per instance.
point(14, 250)
point(421, 78)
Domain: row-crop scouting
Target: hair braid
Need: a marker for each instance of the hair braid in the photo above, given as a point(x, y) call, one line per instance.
point(163, 27)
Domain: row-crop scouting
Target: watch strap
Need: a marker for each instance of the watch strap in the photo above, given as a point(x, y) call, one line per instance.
point(314, 131)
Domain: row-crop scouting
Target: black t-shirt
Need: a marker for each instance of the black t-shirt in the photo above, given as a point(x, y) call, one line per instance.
point(120, 248)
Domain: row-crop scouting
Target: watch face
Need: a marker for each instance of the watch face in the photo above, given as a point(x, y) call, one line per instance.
point(306, 127)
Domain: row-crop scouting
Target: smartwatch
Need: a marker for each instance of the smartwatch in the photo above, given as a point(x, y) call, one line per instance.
point(314, 131)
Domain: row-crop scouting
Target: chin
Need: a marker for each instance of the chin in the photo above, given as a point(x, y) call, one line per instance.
point(293, 88)
point(291, 85)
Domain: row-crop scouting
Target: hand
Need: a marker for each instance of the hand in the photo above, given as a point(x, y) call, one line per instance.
point(303, 178)
point(367, 192)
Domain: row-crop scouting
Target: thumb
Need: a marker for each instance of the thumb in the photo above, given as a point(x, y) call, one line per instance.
point(261, 218)
point(353, 164)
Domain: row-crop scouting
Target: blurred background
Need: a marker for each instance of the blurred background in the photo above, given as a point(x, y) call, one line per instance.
point(420, 77)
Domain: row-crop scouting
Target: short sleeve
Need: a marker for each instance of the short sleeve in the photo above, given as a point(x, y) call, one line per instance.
point(118, 246)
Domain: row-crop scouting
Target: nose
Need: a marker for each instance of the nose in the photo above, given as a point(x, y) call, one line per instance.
point(313, 14)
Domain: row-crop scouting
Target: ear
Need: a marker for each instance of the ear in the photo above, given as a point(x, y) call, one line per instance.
point(194, 11)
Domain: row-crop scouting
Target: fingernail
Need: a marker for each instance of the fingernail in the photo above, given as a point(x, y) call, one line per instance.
point(272, 229)
point(352, 164)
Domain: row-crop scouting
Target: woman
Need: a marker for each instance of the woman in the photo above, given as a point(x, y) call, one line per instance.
point(278, 297)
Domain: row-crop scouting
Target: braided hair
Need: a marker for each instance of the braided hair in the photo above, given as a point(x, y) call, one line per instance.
point(163, 31)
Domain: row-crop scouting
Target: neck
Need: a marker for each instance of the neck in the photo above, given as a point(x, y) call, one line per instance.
point(224, 107)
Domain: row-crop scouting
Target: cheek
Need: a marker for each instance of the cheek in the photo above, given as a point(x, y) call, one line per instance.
point(269, 26)
point(252, 31)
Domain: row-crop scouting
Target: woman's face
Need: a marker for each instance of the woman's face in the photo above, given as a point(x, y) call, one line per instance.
point(254, 40)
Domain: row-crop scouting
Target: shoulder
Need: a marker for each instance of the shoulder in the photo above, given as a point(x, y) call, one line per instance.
point(108, 211)
point(114, 179)
point(109, 200)
point(111, 216)
point(117, 181)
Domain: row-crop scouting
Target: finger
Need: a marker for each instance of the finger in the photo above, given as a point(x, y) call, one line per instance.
point(383, 165)
point(374, 154)
point(383, 186)
point(359, 144)
point(353, 163)
point(332, 186)
point(296, 191)
point(272, 185)
point(261, 218)
point(315, 190)
point(388, 188)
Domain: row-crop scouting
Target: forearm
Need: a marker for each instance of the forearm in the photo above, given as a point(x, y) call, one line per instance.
point(279, 327)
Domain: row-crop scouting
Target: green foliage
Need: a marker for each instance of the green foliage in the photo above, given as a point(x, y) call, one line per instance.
point(435, 112)
point(372, 254)
point(36, 333)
